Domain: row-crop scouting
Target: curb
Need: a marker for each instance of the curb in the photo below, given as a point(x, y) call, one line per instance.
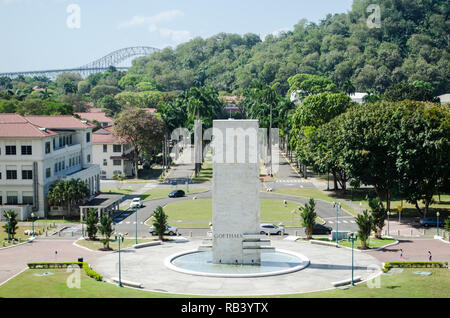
point(30, 240)
point(441, 239)
point(371, 250)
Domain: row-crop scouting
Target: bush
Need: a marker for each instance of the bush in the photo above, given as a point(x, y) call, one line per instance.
point(389, 265)
point(88, 270)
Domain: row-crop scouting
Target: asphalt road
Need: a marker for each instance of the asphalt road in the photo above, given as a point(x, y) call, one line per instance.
point(324, 210)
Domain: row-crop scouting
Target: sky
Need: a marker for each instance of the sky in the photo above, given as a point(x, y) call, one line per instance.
point(54, 34)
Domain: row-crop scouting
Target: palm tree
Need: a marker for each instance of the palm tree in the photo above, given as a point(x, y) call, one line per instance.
point(308, 216)
point(91, 223)
point(365, 224)
point(105, 228)
point(379, 216)
point(11, 223)
point(159, 222)
point(68, 192)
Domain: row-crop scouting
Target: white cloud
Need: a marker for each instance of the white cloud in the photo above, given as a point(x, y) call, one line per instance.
point(278, 32)
point(152, 21)
point(153, 25)
point(178, 36)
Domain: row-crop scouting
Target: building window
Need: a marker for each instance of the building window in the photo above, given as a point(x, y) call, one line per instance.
point(10, 150)
point(48, 172)
point(117, 162)
point(105, 148)
point(63, 165)
point(88, 137)
point(70, 139)
point(27, 200)
point(11, 174)
point(54, 143)
point(105, 162)
point(26, 150)
point(59, 166)
point(117, 148)
point(88, 158)
point(47, 147)
point(27, 174)
point(11, 199)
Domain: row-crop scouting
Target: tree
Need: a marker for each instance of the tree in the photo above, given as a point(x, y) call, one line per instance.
point(306, 85)
point(143, 130)
point(10, 226)
point(159, 222)
point(100, 91)
point(69, 192)
point(365, 225)
point(105, 228)
point(379, 216)
point(422, 151)
point(308, 216)
point(91, 223)
point(418, 90)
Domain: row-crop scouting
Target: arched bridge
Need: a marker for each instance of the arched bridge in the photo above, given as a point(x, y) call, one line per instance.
point(100, 65)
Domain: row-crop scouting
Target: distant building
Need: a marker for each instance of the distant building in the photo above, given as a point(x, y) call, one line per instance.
point(231, 103)
point(445, 99)
point(97, 116)
point(358, 97)
point(37, 151)
point(112, 154)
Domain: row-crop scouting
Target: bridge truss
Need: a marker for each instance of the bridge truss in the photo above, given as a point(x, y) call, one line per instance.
point(97, 66)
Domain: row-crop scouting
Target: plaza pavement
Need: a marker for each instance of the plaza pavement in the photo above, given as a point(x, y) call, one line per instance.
point(327, 265)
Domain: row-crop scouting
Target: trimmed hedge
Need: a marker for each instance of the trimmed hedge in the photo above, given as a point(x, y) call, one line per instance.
point(389, 265)
point(89, 271)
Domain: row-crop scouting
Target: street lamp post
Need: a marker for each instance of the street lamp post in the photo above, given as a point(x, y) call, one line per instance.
point(32, 222)
point(388, 213)
point(337, 206)
point(352, 236)
point(136, 212)
point(437, 225)
point(120, 280)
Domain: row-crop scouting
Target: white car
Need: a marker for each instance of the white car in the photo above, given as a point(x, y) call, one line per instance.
point(136, 202)
point(267, 228)
point(170, 230)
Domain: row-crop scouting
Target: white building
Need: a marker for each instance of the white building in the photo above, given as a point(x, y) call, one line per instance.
point(113, 155)
point(37, 151)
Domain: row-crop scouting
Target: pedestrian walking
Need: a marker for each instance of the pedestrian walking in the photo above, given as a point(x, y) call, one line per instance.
point(401, 253)
point(429, 256)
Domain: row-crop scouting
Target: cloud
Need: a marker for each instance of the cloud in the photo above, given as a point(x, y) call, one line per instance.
point(278, 32)
point(153, 25)
point(152, 21)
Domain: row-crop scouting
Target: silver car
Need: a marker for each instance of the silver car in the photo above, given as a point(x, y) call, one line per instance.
point(267, 228)
point(170, 230)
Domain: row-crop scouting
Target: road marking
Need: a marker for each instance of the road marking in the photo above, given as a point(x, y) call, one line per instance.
point(352, 221)
point(127, 222)
point(345, 221)
point(331, 222)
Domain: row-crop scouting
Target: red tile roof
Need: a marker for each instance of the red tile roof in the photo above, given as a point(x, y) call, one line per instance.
point(15, 125)
point(98, 116)
point(58, 122)
point(106, 135)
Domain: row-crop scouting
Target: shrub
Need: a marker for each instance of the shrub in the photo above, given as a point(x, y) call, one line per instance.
point(88, 270)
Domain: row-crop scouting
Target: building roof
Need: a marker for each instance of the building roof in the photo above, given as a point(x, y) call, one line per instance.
point(445, 99)
point(106, 135)
point(59, 122)
point(98, 116)
point(18, 126)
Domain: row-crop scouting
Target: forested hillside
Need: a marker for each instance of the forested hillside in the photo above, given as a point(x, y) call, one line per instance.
point(412, 44)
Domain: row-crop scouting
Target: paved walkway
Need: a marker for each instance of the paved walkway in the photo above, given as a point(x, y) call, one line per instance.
point(414, 250)
point(14, 260)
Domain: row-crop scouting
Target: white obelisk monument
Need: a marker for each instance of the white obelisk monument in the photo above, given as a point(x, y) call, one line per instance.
point(236, 185)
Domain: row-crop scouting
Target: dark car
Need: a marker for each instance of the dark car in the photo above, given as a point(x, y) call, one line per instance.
point(176, 194)
point(427, 222)
point(321, 229)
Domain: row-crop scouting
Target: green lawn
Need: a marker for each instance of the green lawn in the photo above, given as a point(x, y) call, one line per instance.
point(359, 196)
point(19, 234)
point(373, 243)
point(402, 285)
point(198, 213)
point(127, 242)
point(313, 193)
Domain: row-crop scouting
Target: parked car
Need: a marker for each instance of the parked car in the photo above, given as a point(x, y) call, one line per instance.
point(170, 230)
point(176, 194)
point(427, 222)
point(321, 229)
point(267, 228)
point(136, 203)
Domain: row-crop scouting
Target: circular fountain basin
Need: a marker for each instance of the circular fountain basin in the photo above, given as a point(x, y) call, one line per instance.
point(196, 262)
